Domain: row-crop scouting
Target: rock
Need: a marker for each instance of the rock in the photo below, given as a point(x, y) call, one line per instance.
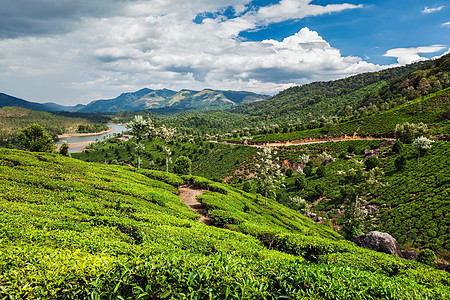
point(411, 255)
point(379, 241)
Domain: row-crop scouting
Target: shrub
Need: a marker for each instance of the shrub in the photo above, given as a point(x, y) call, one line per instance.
point(321, 172)
point(427, 257)
point(247, 187)
point(289, 172)
point(351, 149)
point(400, 162)
point(371, 162)
point(319, 189)
point(398, 147)
point(182, 165)
point(307, 170)
point(300, 182)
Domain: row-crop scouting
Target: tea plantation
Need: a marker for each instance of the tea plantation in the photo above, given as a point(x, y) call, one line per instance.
point(76, 230)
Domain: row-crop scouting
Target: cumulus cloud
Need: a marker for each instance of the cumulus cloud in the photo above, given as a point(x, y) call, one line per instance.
point(156, 44)
point(428, 10)
point(410, 55)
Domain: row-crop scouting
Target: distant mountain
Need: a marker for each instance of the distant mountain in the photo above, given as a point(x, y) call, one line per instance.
point(7, 100)
point(183, 100)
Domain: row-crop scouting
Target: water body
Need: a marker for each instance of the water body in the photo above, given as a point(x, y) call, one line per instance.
point(91, 138)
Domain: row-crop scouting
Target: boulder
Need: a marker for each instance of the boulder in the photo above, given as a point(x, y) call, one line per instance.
point(379, 241)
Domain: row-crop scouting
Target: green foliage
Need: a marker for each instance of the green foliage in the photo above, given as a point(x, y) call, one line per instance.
point(398, 147)
point(64, 149)
point(71, 229)
point(321, 171)
point(289, 172)
point(182, 165)
point(34, 138)
point(300, 182)
point(247, 186)
point(14, 119)
point(400, 162)
point(407, 132)
point(371, 162)
point(427, 256)
point(307, 170)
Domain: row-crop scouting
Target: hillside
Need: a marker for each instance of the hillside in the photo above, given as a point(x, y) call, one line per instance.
point(7, 100)
point(14, 119)
point(356, 95)
point(182, 100)
point(71, 229)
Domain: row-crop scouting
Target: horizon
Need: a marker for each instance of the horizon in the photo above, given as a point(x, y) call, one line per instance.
point(80, 52)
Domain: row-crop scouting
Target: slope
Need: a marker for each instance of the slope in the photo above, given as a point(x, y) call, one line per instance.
point(14, 119)
point(71, 229)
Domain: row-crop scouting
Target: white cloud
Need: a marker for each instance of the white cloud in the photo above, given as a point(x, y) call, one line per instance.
point(446, 24)
point(428, 10)
point(410, 55)
point(156, 44)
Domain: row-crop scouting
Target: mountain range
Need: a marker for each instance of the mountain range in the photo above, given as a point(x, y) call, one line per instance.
point(143, 99)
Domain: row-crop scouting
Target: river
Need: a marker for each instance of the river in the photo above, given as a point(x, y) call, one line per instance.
point(77, 143)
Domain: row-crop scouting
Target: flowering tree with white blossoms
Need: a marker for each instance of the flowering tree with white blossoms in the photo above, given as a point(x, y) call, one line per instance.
point(421, 143)
point(356, 182)
point(139, 128)
point(166, 134)
point(269, 175)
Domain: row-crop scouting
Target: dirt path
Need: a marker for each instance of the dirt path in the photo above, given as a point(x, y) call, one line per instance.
point(307, 142)
point(188, 195)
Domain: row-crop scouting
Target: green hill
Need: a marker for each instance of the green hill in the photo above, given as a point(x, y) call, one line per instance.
point(14, 119)
point(71, 229)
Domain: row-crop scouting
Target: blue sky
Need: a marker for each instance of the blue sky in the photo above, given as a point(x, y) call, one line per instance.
point(72, 52)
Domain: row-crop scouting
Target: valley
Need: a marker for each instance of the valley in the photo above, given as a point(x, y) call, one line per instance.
point(255, 200)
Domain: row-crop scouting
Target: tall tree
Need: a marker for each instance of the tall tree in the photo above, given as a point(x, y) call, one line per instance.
point(35, 138)
point(269, 175)
point(166, 134)
point(140, 128)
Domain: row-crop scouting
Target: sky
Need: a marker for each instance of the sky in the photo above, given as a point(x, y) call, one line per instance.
point(71, 52)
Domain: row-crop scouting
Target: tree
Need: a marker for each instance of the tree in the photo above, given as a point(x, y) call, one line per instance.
point(421, 144)
point(182, 165)
point(139, 149)
point(140, 128)
point(300, 181)
point(371, 162)
point(427, 256)
point(400, 162)
point(407, 132)
point(289, 172)
point(307, 170)
point(247, 186)
point(269, 174)
point(165, 133)
point(64, 149)
point(398, 147)
point(356, 182)
point(303, 159)
point(35, 138)
point(321, 171)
